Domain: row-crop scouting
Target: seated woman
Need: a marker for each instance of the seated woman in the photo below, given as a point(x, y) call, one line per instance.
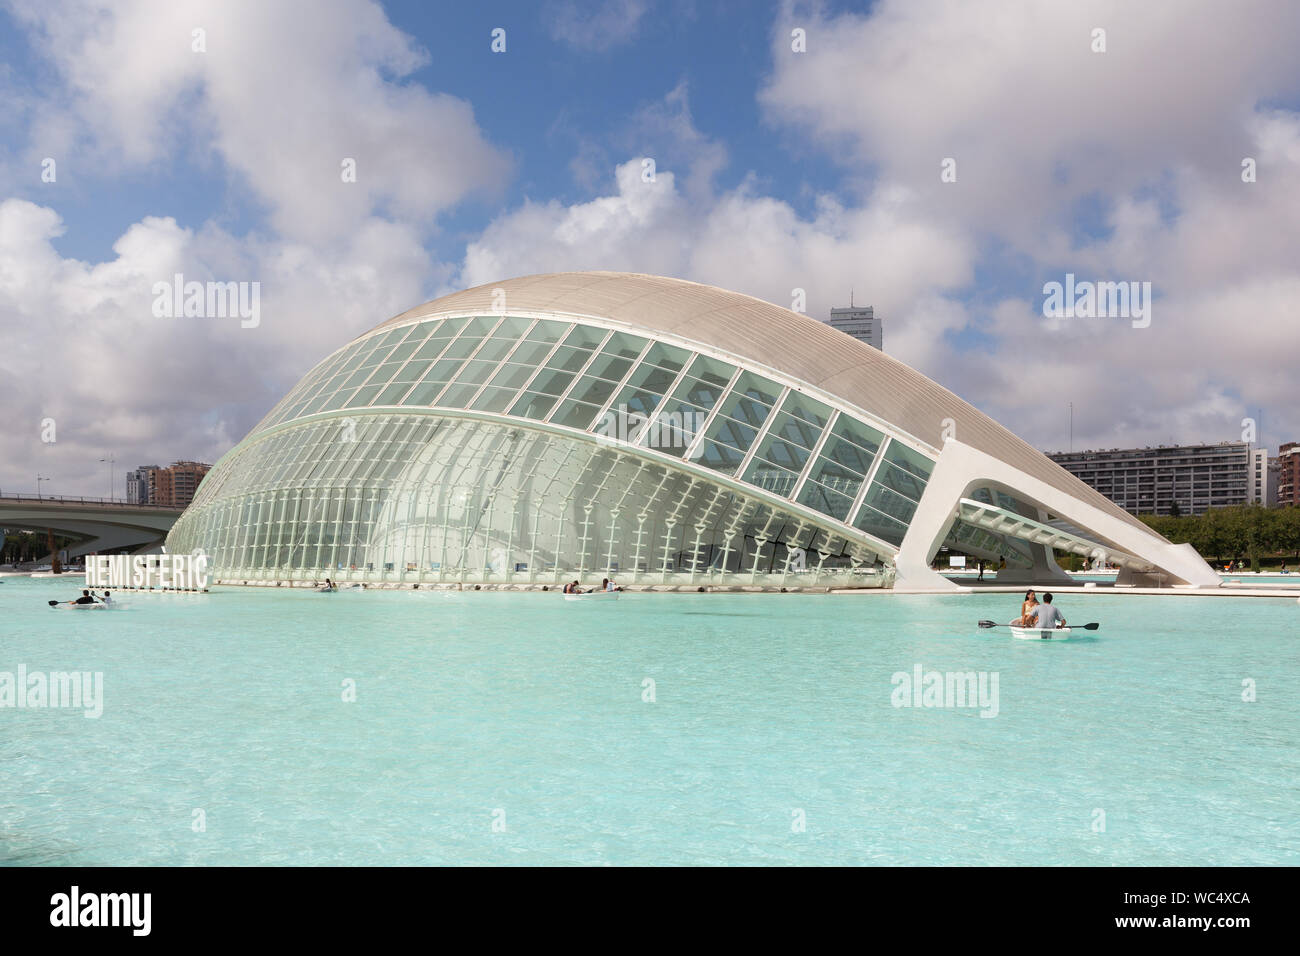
point(1026, 609)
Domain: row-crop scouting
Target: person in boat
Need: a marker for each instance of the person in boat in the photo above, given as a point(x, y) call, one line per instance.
point(329, 585)
point(107, 599)
point(609, 585)
point(1047, 617)
point(86, 598)
point(1026, 609)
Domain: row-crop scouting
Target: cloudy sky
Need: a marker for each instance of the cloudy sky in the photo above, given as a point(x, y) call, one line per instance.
point(133, 148)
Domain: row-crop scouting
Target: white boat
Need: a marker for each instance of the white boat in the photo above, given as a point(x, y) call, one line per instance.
point(84, 607)
point(593, 596)
point(1041, 633)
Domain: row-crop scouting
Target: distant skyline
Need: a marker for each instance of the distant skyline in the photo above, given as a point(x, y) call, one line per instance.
point(944, 161)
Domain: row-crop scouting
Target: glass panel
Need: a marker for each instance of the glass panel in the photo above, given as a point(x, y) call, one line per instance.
point(424, 393)
point(412, 372)
point(393, 393)
point(476, 372)
point(769, 477)
point(433, 346)
point(887, 502)
point(402, 352)
point(494, 349)
point(761, 390)
point(593, 391)
point(552, 382)
point(874, 523)
point(861, 435)
point(900, 481)
point(667, 356)
point(547, 330)
point(569, 359)
point(795, 430)
point(734, 434)
point(355, 354)
point(532, 405)
point(650, 379)
point(624, 345)
point(585, 336)
point(511, 327)
point(462, 347)
point(636, 402)
point(531, 354)
point(480, 325)
point(720, 457)
point(845, 458)
point(393, 336)
point(712, 370)
point(611, 367)
point(376, 357)
point(574, 414)
point(495, 399)
point(336, 400)
point(698, 392)
point(363, 396)
point(357, 377)
point(783, 453)
point(807, 409)
point(458, 396)
point(512, 376)
point(909, 460)
point(828, 502)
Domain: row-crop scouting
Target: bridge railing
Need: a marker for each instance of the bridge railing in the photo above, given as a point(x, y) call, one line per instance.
point(82, 500)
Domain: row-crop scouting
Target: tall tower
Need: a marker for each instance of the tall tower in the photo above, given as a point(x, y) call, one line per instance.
point(859, 322)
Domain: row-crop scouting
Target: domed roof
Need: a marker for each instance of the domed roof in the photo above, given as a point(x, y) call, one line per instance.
point(767, 335)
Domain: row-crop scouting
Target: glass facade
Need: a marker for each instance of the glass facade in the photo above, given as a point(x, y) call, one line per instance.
point(400, 457)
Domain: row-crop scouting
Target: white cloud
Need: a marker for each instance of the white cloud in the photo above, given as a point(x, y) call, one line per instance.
point(1149, 134)
point(595, 25)
point(284, 93)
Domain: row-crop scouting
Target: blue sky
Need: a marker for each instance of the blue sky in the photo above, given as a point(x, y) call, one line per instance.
point(777, 170)
point(538, 103)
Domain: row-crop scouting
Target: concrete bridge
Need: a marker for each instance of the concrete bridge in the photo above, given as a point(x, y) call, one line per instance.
point(101, 524)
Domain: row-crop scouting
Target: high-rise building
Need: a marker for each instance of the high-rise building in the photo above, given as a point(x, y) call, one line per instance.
point(1154, 480)
point(1263, 487)
point(176, 484)
point(138, 483)
point(1288, 473)
point(861, 323)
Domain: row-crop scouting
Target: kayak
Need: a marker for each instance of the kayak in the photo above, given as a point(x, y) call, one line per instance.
point(593, 596)
point(1041, 634)
point(83, 607)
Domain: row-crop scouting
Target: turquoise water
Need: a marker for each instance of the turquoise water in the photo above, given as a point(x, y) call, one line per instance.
point(470, 703)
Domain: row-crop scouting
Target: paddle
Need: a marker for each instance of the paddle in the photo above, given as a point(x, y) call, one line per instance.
point(1073, 627)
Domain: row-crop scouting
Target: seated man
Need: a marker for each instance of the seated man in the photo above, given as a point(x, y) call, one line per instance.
point(1046, 617)
point(84, 599)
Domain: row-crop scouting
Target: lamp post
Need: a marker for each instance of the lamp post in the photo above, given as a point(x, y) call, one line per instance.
point(111, 462)
point(39, 479)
